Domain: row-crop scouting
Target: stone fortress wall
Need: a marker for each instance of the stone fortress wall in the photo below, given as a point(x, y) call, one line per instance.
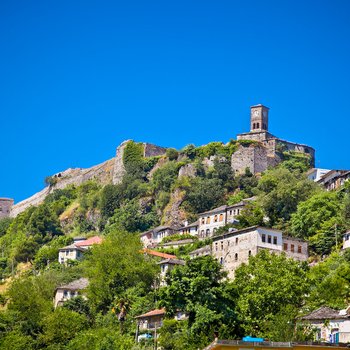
point(265, 152)
point(110, 171)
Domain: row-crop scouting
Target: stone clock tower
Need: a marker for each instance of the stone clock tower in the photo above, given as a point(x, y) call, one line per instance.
point(259, 118)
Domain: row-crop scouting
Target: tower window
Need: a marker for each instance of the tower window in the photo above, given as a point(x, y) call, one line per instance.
point(253, 125)
point(257, 125)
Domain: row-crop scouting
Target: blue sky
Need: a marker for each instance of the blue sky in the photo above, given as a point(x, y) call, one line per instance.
point(79, 77)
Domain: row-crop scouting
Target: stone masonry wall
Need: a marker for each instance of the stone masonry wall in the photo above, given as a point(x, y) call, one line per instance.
point(5, 207)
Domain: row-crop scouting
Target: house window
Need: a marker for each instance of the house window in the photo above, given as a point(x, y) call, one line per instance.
point(221, 260)
point(221, 217)
point(285, 246)
point(274, 240)
point(65, 293)
point(253, 125)
point(257, 125)
point(299, 249)
point(237, 211)
point(236, 257)
point(236, 240)
point(292, 248)
point(203, 221)
point(249, 253)
point(207, 232)
point(215, 218)
point(208, 220)
point(268, 239)
point(222, 245)
point(230, 212)
point(263, 238)
point(67, 251)
point(216, 246)
point(228, 243)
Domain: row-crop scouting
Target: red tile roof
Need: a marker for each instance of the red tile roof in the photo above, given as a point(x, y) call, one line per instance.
point(89, 241)
point(159, 254)
point(155, 312)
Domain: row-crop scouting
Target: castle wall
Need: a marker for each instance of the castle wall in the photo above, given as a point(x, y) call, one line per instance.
point(253, 157)
point(5, 207)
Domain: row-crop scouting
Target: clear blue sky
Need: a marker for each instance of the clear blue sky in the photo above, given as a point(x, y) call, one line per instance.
point(79, 77)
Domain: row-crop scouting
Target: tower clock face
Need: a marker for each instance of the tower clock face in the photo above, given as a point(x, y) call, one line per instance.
point(256, 113)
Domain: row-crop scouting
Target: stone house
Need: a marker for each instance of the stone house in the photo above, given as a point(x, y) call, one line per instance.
point(211, 220)
point(234, 248)
point(76, 250)
point(166, 266)
point(153, 237)
point(70, 290)
point(331, 325)
point(334, 179)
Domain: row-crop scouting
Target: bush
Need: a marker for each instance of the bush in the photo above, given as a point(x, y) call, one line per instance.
point(172, 153)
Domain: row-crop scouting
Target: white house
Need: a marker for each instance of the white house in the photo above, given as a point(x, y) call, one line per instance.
point(153, 237)
point(211, 220)
point(315, 174)
point(191, 229)
point(70, 290)
point(76, 250)
point(167, 265)
point(331, 325)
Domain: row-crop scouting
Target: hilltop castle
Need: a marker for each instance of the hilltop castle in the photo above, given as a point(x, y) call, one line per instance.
point(267, 150)
point(264, 150)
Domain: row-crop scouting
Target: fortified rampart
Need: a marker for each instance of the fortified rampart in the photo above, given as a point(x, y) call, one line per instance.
point(110, 171)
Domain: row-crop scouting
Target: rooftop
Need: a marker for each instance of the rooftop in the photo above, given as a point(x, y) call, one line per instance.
point(79, 284)
point(323, 313)
point(158, 254)
point(172, 262)
point(155, 312)
point(89, 241)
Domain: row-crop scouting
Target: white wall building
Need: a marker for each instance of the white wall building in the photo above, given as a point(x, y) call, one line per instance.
point(331, 325)
point(70, 290)
point(234, 248)
point(153, 237)
point(315, 174)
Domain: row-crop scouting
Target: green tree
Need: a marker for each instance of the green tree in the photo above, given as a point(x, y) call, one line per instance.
point(198, 289)
point(204, 194)
point(115, 266)
point(280, 193)
point(110, 199)
point(265, 286)
point(319, 219)
point(61, 326)
point(172, 153)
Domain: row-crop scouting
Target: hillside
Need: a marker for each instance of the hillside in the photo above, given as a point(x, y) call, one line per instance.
point(168, 187)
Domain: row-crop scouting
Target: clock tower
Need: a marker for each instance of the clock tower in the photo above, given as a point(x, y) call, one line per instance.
point(259, 118)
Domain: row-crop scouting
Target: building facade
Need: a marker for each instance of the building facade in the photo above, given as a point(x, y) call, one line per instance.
point(5, 207)
point(233, 249)
point(70, 290)
point(153, 237)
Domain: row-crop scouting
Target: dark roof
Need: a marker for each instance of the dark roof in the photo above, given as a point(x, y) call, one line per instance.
point(200, 250)
point(323, 313)
point(194, 224)
point(81, 283)
point(172, 262)
point(215, 210)
point(156, 229)
point(72, 246)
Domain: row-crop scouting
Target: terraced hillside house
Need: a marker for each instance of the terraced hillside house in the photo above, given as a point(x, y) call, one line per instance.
point(76, 250)
point(210, 221)
point(70, 290)
point(153, 237)
point(166, 266)
point(331, 325)
point(234, 248)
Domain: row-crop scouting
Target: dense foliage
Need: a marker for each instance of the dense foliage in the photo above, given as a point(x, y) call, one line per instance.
point(265, 299)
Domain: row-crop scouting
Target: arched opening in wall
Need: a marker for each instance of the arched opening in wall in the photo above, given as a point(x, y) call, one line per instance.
point(253, 126)
point(257, 125)
point(249, 253)
point(236, 257)
point(207, 232)
point(221, 260)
